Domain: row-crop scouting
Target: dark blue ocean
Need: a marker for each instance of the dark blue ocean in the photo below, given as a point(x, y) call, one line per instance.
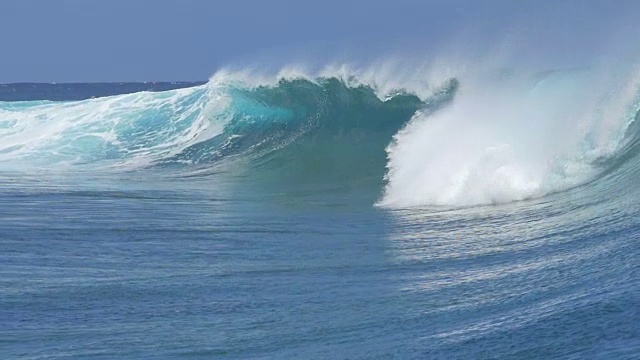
point(320, 218)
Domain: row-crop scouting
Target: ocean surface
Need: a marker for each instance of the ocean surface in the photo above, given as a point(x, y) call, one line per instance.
point(324, 216)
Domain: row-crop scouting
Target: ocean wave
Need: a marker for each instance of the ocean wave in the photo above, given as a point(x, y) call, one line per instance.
point(469, 139)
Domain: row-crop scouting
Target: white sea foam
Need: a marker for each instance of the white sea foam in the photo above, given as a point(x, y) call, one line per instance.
point(121, 128)
point(510, 138)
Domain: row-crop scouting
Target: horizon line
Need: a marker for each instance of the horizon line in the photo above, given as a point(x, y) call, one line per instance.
point(105, 82)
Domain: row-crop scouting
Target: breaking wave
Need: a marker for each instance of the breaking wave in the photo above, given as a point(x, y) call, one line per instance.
point(464, 139)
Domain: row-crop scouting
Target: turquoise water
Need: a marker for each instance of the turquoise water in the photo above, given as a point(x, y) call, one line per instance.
point(230, 221)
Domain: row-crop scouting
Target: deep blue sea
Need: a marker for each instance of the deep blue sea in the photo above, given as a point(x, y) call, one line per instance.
point(321, 217)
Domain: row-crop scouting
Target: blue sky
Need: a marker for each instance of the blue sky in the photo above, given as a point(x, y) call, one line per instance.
point(144, 40)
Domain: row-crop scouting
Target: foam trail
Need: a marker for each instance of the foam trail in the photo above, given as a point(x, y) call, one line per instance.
point(132, 130)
